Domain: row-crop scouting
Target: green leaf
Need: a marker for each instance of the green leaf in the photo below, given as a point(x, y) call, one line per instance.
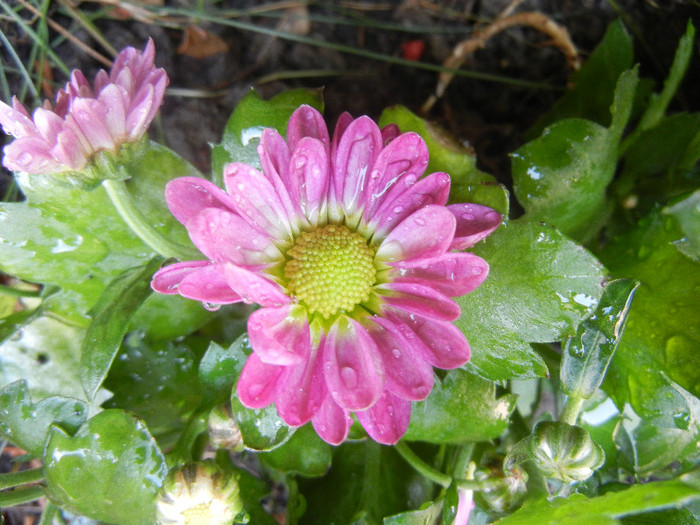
point(662, 517)
point(687, 213)
point(366, 482)
point(250, 118)
point(425, 516)
point(658, 104)
point(253, 492)
point(461, 408)
point(45, 353)
point(75, 239)
point(587, 355)
point(26, 424)
point(561, 177)
point(305, 453)
point(446, 154)
point(110, 471)
point(663, 327)
point(578, 509)
point(156, 381)
point(541, 285)
point(594, 84)
point(111, 316)
point(219, 370)
point(668, 430)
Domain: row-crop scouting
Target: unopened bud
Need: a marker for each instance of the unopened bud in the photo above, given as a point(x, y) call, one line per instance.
point(223, 430)
point(506, 494)
point(199, 494)
point(565, 452)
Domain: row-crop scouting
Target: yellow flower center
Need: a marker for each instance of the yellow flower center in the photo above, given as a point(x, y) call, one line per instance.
point(330, 269)
point(197, 515)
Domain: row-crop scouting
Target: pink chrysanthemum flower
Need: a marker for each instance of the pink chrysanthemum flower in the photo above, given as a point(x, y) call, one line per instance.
point(349, 252)
point(86, 119)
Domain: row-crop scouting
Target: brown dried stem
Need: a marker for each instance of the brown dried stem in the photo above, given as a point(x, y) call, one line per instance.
point(559, 38)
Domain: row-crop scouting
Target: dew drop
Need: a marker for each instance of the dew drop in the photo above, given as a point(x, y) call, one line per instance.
point(468, 216)
point(25, 158)
point(212, 307)
point(398, 209)
point(255, 390)
point(349, 377)
point(396, 353)
point(419, 221)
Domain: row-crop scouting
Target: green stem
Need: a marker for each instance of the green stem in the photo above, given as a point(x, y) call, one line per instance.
point(122, 201)
point(462, 461)
point(21, 495)
point(49, 513)
point(16, 292)
point(571, 410)
point(421, 466)
point(22, 477)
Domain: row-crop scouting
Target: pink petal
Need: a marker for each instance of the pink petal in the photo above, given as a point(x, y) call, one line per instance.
point(141, 111)
point(254, 288)
point(256, 200)
point(341, 125)
point(332, 422)
point(90, 116)
point(302, 391)
point(274, 158)
point(209, 286)
point(419, 299)
point(112, 97)
point(306, 121)
point(70, 149)
point(16, 120)
point(225, 237)
point(257, 384)
point(198, 280)
point(440, 343)
point(188, 196)
point(453, 273)
point(387, 420)
point(474, 223)
point(48, 124)
point(30, 154)
point(425, 233)
point(390, 132)
point(308, 173)
point(406, 156)
point(279, 336)
point(408, 375)
point(352, 365)
point(407, 197)
point(358, 148)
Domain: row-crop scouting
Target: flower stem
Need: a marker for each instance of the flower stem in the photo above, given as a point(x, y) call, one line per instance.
point(22, 477)
point(49, 514)
point(123, 203)
point(571, 410)
point(21, 495)
point(421, 466)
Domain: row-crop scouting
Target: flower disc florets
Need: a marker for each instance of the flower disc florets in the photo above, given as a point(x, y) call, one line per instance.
point(353, 258)
point(330, 269)
point(86, 119)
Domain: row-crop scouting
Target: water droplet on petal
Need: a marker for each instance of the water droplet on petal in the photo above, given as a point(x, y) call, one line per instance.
point(212, 307)
point(396, 353)
point(398, 209)
point(348, 376)
point(468, 216)
point(419, 221)
point(254, 390)
point(25, 158)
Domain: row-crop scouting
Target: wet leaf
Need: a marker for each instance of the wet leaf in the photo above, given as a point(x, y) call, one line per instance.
point(366, 482)
point(77, 241)
point(663, 327)
point(26, 424)
point(156, 381)
point(687, 213)
point(45, 353)
point(579, 510)
point(219, 370)
point(594, 84)
point(305, 453)
point(426, 516)
point(110, 320)
point(587, 355)
point(540, 295)
point(561, 177)
point(250, 118)
point(110, 471)
point(461, 408)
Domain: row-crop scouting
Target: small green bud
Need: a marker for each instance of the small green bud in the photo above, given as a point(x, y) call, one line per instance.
point(565, 452)
point(508, 493)
point(223, 430)
point(199, 494)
